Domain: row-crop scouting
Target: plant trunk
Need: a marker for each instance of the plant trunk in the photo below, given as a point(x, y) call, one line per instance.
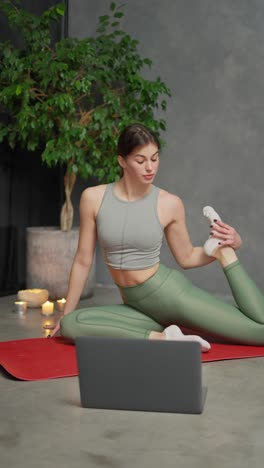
point(66, 217)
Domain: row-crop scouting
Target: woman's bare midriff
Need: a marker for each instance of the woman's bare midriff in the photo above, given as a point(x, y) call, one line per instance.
point(126, 278)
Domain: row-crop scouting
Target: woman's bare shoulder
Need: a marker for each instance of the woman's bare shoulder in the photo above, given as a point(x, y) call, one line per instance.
point(170, 208)
point(93, 193)
point(91, 198)
point(170, 199)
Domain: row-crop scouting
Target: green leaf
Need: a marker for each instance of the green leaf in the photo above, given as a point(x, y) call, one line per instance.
point(118, 14)
point(112, 6)
point(163, 105)
point(60, 11)
point(31, 145)
point(18, 90)
point(104, 18)
point(3, 133)
point(147, 62)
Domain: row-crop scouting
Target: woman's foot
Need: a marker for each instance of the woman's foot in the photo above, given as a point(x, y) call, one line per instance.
point(212, 244)
point(226, 255)
point(174, 333)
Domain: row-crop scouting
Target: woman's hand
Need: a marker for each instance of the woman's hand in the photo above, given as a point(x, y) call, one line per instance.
point(55, 330)
point(227, 235)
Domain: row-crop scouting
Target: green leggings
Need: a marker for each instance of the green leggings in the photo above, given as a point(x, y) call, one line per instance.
point(168, 297)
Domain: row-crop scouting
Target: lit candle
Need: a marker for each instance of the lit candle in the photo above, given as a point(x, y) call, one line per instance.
point(20, 307)
point(61, 304)
point(48, 325)
point(47, 308)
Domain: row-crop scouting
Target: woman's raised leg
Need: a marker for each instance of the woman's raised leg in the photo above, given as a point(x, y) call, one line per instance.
point(170, 298)
point(247, 295)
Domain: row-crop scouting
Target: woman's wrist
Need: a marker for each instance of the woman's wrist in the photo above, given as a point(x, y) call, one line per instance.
point(66, 312)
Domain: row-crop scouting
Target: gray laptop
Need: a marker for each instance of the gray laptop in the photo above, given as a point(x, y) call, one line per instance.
point(140, 375)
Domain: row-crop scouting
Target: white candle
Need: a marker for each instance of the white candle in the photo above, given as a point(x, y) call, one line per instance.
point(47, 308)
point(20, 307)
point(61, 304)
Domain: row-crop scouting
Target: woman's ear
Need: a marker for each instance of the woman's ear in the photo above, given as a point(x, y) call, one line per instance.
point(121, 161)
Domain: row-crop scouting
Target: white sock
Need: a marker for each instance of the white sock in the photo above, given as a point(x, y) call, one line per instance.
point(175, 334)
point(211, 244)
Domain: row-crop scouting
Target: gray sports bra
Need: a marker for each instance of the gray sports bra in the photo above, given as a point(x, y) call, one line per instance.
point(129, 233)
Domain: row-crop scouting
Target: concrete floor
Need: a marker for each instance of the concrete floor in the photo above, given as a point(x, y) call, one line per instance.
point(43, 425)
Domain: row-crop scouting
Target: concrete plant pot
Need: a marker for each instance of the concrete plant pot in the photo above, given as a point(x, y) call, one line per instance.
point(50, 254)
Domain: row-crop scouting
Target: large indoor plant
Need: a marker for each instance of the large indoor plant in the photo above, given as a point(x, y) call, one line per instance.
point(71, 99)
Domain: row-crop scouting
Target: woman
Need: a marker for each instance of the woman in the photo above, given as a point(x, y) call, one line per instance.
point(130, 218)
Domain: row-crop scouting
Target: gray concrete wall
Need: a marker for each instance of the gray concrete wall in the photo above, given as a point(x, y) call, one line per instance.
point(210, 54)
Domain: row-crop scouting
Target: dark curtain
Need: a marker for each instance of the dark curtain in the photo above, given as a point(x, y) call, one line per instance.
point(30, 193)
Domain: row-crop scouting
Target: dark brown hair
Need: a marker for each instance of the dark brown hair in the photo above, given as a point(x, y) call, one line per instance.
point(135, 136)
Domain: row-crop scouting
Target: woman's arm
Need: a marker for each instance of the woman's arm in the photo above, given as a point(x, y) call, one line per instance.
point(83, 259)
point(179, 241)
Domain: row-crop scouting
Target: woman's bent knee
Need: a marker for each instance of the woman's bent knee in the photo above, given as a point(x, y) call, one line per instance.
point(66, 326)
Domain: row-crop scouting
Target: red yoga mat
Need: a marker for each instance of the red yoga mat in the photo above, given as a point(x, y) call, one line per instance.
point(42, 358)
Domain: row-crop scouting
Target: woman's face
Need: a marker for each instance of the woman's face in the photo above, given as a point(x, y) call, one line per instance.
point(142, 164)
